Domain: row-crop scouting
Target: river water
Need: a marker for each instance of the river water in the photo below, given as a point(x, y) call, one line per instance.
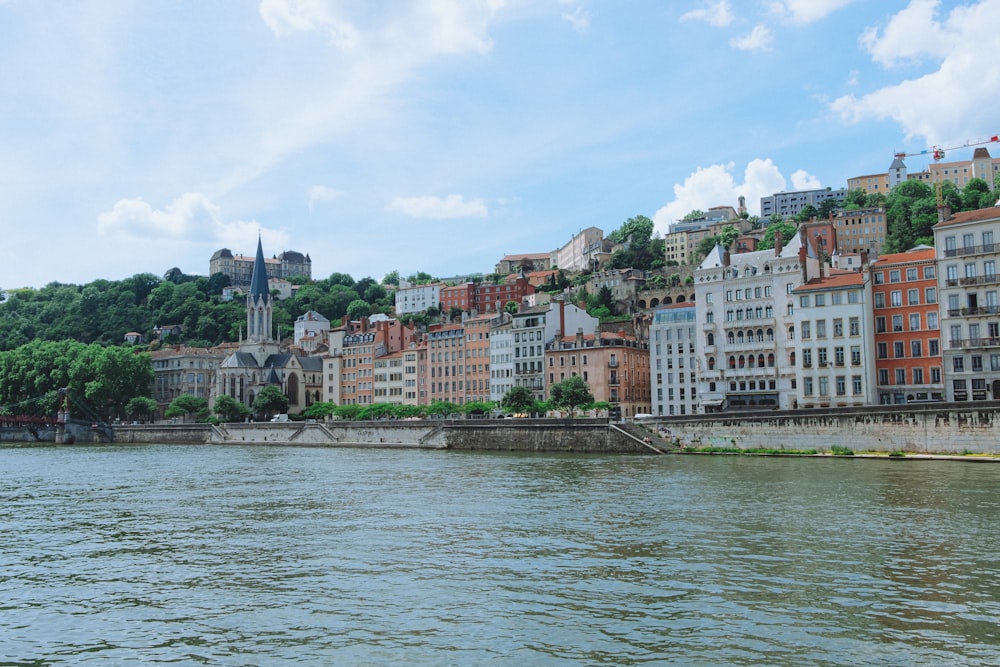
point(267, 556)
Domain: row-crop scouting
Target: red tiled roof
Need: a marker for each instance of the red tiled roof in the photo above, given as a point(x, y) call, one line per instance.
point(970, 216)
point(921, 255)
point(849, 279)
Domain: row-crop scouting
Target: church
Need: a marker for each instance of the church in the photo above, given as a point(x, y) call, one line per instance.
point(259, 362)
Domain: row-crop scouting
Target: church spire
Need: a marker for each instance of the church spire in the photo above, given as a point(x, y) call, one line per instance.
point(258, 282)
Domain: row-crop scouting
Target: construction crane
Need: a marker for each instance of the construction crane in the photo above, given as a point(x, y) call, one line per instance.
point(938, 153)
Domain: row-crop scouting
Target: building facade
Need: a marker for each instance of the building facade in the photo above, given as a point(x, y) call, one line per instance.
point(240, 268)
point(967, 249)
point(907, 328)
point(789, 204)
point(673, 366)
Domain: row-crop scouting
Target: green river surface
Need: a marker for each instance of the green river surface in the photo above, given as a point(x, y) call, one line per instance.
point(226, 555)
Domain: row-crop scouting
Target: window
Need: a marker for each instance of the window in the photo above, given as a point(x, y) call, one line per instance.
point(882, 350)
point(820, 328)
point(807, 386)
point(838, 327)
point(916, 348)
point(911, 274)
point(879, 300)
point(900, 376)
point(952, 272)
point(914, 321)
point(897, 322)
point(807, 358)
point(855, 355)
point(897, 349)
point(856, 384)
point(820, 300)
point(934, 347)
point(936, 375)
point(854, 326)
point(838, 356)
point(958, 364)
point(918, 376)
point(806, 330)
point(841, 385)
point(883, 376)
point(894, 276)
point(804, 301)
point(896, 298)
point(824, 386)
point(977, 363)
point(880, 325)
point(912, 297)
point(821, 356)
point(930, 295)
point(879, 278)
point(929, 272)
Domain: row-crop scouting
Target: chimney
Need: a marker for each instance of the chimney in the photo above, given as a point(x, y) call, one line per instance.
point(725, 258)
point(944, 211)
point(803, 255)
point(777, 244)
point(579, 338)
point(562, 318)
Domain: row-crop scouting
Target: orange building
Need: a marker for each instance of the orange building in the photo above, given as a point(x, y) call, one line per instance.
point(477, 355)
point(446, 364)
point(908, 358)
point(614, 365)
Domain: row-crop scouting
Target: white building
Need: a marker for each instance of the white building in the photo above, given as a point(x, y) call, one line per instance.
point(836, 342)
point(312, 324)
point(501, 360)
point(417, 298)
point(579, 253)
point(533, 328)
point(673, 352)
point(968, 251)
point(746, 319)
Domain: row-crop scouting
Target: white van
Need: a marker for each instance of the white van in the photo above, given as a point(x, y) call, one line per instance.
point(280, 418)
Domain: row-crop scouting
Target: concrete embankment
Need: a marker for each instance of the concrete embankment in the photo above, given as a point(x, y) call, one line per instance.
point(933, 428)
point(537, 435)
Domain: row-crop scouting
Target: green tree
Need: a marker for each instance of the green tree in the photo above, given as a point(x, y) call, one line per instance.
point(570, 393)
point(788, 231)
point(320, 410)
point(826, 208)
point(695, 214)
point(443, 408)
point(511, 307)
point(140, 408)
point(807, 213)
point(391, 278)
point(187, 405)
point(347, 412)
point(358, 309)
point(229, 409)
point(518, 399)
point(270, 401)
point(727, 235)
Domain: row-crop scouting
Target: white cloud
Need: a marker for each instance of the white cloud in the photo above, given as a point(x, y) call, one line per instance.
point(321, 194)
point(802, 180)
point(438, 208)
point(715, 186)
point(910, 34)
point(759, 39)
point(191, 217)
point(953, 103)
point(718, 14)
point(285, 17)
point(806, 11)
point(579, 18)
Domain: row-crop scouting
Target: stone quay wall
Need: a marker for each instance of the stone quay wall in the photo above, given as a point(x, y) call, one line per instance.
point(537, 435)
point(931, 428)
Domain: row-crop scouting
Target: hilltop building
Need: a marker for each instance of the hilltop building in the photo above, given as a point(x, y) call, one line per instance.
point(240, 268)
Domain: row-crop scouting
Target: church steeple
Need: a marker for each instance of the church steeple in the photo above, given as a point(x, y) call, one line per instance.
point(259, 301)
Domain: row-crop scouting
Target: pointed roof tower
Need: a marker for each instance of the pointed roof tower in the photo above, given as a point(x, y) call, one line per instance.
point(258, 281)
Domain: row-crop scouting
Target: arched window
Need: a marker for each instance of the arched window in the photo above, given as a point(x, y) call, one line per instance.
point(791, 357)
point(732, 361)
point(760, 335)
point(711, 363)
point(752, 362)
point(760, 361)
point(730, 337)
point(743, 361)
point(770, 334)
point(710, 339)
point(740, 337)
point(770, 360)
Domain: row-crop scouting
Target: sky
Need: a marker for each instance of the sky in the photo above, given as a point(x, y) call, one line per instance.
point(442, 135)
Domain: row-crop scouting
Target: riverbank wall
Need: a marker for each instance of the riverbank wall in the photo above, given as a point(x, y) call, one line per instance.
point(931, 428)
point(537, 435)
point(940, 428)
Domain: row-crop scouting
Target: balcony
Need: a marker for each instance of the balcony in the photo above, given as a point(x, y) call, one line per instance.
point(990, 279)
point(972, 250)
point(965, 343)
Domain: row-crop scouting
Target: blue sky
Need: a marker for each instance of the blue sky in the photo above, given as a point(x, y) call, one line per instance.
point(440, 135)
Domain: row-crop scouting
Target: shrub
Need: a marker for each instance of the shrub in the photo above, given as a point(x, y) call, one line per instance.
point(840, 450)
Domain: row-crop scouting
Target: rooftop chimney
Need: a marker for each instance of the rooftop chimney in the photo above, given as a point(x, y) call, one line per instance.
point(777, 243)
